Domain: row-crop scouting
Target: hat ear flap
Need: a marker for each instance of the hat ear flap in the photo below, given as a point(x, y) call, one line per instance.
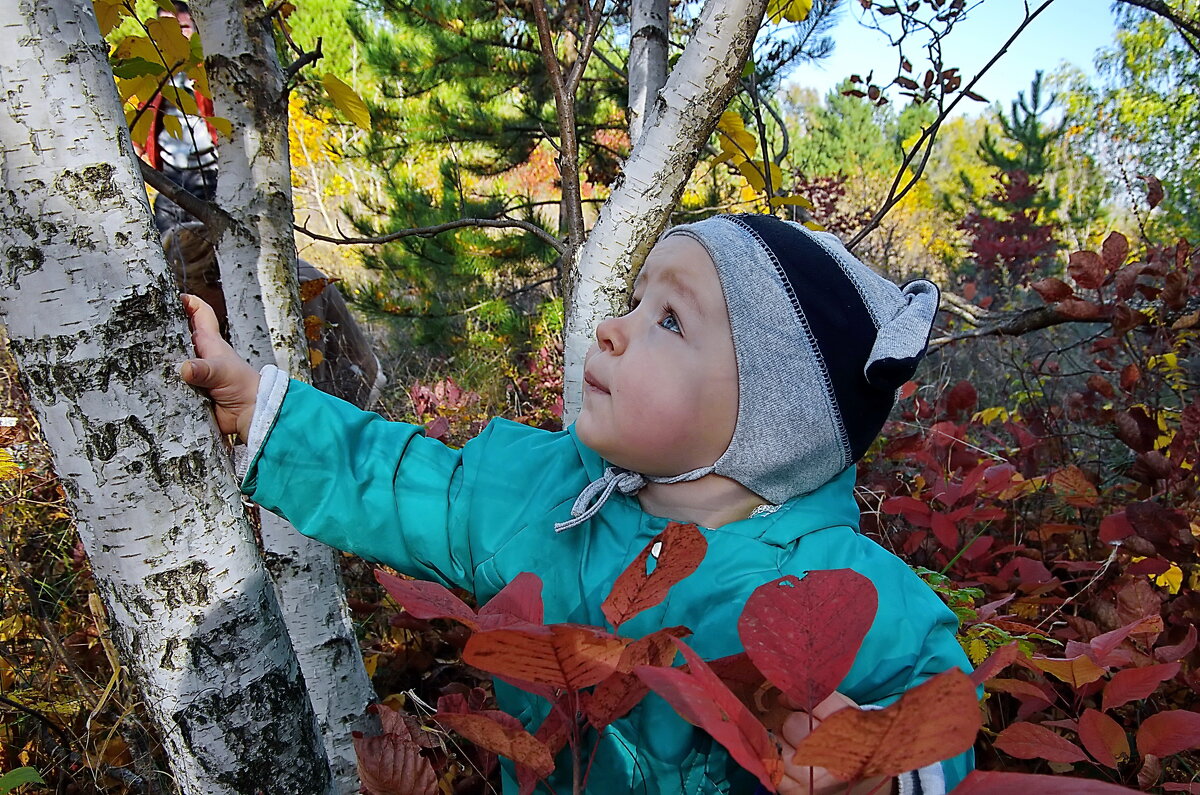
point(901, 342)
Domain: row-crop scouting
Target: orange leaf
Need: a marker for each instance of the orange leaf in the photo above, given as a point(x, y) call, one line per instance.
point(314, 287)
point(1103, 738)
point(1073, 487)
point(934, 721)
point(1075, 671)
point(619, 693)
point(515, 744)
point(1031, 741)
point(682, 549)
point(568, 656)
point(313, 326)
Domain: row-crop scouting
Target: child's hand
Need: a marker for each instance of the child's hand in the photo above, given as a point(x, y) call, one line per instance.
point(796, 778)
point(232, 384)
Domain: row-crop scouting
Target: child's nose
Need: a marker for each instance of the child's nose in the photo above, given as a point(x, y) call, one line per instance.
point(610, 336)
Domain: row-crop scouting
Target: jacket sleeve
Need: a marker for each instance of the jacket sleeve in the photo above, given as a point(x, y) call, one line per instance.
point(357, 482)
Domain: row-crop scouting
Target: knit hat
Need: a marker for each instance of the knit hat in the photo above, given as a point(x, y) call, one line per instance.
point(822, 344)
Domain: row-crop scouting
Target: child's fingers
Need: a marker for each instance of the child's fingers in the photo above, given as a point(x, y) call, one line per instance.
point(200, 314)
point(197, 372)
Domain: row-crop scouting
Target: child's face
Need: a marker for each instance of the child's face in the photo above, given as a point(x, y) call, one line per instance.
point(661, 387)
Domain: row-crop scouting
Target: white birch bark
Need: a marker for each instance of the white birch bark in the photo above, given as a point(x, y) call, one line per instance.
point(648, 21)
point(257, 258)
point(684, 115)
point(98, 334)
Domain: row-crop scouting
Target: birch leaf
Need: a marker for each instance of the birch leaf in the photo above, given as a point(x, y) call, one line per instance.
point(170, 41)
point(347, 101)
point(221, 125)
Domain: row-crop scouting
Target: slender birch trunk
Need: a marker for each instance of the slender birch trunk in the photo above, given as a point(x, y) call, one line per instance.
point(98, 335)
point(258, 274)
point(684, 115)
point(649, 20)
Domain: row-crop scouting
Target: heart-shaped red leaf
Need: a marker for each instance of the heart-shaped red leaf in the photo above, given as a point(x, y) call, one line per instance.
point(702, 700)
point(803, 634)
point(1166, 733)
point(682, 548)
point(936, 720)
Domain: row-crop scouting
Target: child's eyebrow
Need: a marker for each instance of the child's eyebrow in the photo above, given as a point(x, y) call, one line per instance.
point(676, 281)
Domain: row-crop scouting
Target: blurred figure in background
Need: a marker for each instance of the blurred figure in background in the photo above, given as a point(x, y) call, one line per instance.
point(344, 365)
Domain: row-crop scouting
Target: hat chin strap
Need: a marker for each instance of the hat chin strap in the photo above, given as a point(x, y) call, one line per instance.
point(595, 494)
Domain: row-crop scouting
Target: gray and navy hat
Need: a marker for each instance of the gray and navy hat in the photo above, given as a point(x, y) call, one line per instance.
point(822, 344)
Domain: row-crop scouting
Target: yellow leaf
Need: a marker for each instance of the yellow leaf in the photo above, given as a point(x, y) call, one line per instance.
point(137, 47)
point(313, 326)
point(181, 99)
point(797, 10)
point(221, 125)
point(11, 627)
point(730, 121)
point(108, 14)
point(173, 126)
point(315, 358)
point(348, 102)
point(1171, 579)
point(371, 662)
point(988, 416)
point(756, 174)
point(200, 79)
point(738, 144)
point(9, 468)
point(175, 47)
point(140, 130)
point(977, 650)
point(813, 225)
point(800, 201)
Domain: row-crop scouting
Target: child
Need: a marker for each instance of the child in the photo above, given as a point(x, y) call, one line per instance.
point(757, 364)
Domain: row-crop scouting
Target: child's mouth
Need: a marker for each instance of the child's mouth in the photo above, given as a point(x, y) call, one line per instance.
point(593, 384)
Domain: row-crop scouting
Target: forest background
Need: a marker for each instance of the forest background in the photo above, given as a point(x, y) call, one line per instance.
point(1041, 468)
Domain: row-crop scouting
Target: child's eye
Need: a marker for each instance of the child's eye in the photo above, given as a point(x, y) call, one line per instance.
point(670, 322)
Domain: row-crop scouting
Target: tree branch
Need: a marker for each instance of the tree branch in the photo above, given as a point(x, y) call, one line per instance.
point(1014, 324)
point(437, 229)
point(216, 219)
point(1163, 10)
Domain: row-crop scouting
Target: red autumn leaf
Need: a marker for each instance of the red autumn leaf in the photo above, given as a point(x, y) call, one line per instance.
point(1052, 290)
point(515, 744)
point(426, 599)
point(1103, 738)
point(738, 673)
point(803, 634)
point(996, 662)
point(702, 700)
point(908, 388)
point(391, 764)
point(1166, 733)
point(567, 656)
point(1154, 189)
point(961, 399)
point(1114, 527)
point(1087, 269)
point(988, 782)
point(1114, 251)
point(1130, 375)
point(394, 722)
point(1179, 650)
point(1078, 309)
point(1075, 671)
point(1102, 647)
point(682, 549)
point(1175, 786)
point(518, 603)
point(554, 733)
point(944, 530)
point(619, 693)
point(1031, 741)
point(936, 720)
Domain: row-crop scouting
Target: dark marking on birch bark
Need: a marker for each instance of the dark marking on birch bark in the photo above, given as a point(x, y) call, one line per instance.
point(22, 261)
point(89, 187)
point(186, 585)
point(267, 733)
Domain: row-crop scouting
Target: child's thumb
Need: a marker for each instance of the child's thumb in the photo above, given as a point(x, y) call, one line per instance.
point(197, 372)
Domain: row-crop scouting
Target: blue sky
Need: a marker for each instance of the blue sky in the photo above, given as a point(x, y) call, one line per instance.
point(1069, 30)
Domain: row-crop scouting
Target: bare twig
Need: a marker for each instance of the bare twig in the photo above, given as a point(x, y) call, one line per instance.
point(429, 231)
point(925, 142)
point(216, 219)
point(312, 56)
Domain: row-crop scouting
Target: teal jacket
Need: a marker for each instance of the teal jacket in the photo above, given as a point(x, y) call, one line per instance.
point(477, 517)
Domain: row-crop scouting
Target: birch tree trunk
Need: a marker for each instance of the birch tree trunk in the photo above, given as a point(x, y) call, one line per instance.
point(257, 258)
point(684, 115)
point(649, 20)
point(98, 334)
